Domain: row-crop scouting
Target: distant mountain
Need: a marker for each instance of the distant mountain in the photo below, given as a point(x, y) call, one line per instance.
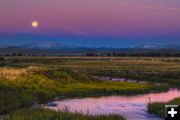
point(53, 48)
point(153, 46)
point(146, 46)
point(176, 47)
point(40, 51)
point(61, 46)
point(46, 45)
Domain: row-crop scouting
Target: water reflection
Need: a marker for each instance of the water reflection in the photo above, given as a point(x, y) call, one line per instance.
point(131, 107)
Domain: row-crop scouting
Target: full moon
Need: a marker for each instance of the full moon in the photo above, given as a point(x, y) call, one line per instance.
point(35, 24)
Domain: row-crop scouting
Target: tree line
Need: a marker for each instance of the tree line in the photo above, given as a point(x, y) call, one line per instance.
point(153, 54)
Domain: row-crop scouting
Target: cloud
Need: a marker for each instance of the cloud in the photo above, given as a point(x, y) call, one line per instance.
point(153, 7)
point(74, 31)
point(174, 9)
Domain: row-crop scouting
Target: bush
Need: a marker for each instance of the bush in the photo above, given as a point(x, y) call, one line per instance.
point(2, 59)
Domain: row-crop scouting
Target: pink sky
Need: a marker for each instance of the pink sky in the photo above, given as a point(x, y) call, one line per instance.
point(95, 17)
point(92, 18)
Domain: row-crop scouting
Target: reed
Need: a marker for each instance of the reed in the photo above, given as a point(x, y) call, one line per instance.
point(158, 108)
point(44, 114)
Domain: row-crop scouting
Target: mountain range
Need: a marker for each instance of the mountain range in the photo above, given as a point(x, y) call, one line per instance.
point(53, 48)
point(61, 46)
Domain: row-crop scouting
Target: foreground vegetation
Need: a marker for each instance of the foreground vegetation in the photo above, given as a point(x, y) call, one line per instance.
point(25, 81)
point(158, 108)
point(44, 114)
point(22, 87)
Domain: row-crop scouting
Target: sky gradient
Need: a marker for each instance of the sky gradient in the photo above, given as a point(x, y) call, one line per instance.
point(113, 23)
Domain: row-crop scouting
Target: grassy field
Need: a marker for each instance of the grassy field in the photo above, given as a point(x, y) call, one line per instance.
point(28, 80)
point(163, 70)
point(158, 108)
point(151, 69)
point(23, 86)
point(44, 114)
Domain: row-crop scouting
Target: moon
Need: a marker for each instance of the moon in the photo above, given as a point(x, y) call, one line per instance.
point(35, 24)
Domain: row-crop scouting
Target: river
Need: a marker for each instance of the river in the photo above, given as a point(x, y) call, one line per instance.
point(131, 107)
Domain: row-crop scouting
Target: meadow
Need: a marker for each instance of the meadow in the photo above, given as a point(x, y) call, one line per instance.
point(25, 81)
point(150, 69)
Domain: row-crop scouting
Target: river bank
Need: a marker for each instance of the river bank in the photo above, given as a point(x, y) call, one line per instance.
point(158, 107)
point(131, 107)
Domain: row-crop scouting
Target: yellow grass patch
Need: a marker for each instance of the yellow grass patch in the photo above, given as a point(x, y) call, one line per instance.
point(14, 73)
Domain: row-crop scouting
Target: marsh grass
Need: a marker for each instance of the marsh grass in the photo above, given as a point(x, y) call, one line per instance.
point(47, 83)
point(159, 108)
point(72, 77)
point(13, 73)
point(45, 114)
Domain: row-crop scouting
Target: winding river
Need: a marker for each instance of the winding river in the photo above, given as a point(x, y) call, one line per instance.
point(131, 107)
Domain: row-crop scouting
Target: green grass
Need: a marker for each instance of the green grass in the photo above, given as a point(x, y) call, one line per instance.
point(162, 69)
point(44, 114)
point(73, 77)
point(47, 83)
point(157, 70)
point(159, 108)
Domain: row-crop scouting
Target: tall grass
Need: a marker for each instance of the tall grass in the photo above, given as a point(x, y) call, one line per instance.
point(44, 114)
point(159, 108)
point(48, 83)
point(161, 70)
point(13, 73)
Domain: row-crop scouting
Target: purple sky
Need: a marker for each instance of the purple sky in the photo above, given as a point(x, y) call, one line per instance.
point(87, 22)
